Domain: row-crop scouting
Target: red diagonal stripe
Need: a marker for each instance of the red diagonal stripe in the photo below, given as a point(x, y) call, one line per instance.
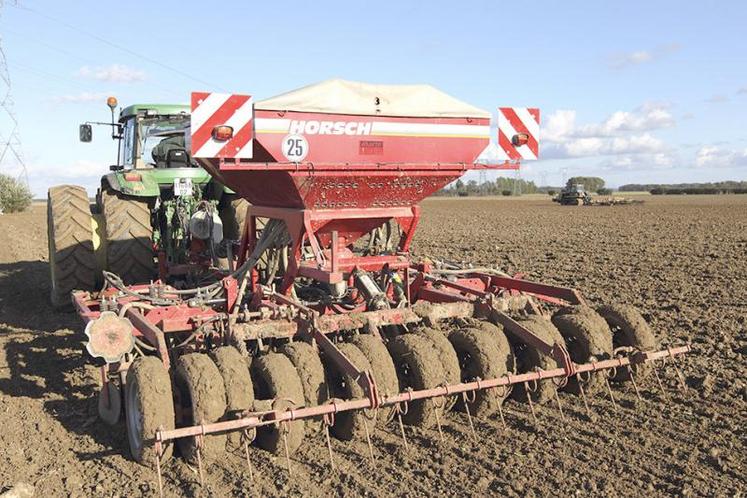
point(518, 125)
point(240, 139)
point(197, 97)
point(219, 117)
point(505, 143)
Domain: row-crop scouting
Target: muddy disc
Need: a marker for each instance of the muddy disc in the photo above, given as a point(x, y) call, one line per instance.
point(110, 409)
point(234, 370)
point(276, 380)
point(588, 338)
point(311, 372)
point(482, 355)
point(418, 367)
point(629, 328)
point(448, 358)
point(529, 359)
point(202, 397)
point(149, 405)
point(382, 368)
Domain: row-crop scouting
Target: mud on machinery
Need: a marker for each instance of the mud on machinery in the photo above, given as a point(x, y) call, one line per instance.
point(309, 329)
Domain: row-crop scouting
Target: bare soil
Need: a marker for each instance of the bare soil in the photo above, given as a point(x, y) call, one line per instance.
point(681, 260)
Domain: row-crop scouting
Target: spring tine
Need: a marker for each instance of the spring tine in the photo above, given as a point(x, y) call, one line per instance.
point(609, 391)
point(329, 447)
point(368, 440)
point(246, 453)
point(402, 428)
point(635, 385)
point(198, 440)
point(583, 397)
point(158, 466)
point(500, 412)
point(469, 416)
point(438, 424)
point(683, 384)
point(284, 432)
point(531, 403)
point(661, 386)
point(560, 406)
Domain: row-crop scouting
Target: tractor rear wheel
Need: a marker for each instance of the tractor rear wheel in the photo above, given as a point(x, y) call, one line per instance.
point(529, 359)
point(72, 261)
point(202, 397)
point(149, 406)
point(629, 328)
point(234, 369)
point(129, 237)
point(418, 367)
point(311, 372)
point(482, 355)
point(588, 338)
point(276, 380)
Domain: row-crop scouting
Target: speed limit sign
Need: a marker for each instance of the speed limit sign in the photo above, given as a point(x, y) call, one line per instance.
point(295, 148)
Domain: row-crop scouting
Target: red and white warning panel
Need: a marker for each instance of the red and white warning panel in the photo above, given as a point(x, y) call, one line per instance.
point(222, 125)
point(518, 132)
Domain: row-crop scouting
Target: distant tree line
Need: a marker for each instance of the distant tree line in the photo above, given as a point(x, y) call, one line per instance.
point(501, 186)
point(727, 187)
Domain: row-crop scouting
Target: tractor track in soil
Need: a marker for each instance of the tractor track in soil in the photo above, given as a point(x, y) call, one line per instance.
point(681, 260)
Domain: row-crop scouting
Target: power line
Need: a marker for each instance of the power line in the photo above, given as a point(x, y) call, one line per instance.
point(116, 45)
point(10, 145)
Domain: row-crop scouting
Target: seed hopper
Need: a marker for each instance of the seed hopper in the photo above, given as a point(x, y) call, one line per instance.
point(322, 322)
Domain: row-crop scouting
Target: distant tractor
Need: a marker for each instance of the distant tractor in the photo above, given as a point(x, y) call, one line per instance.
point(156, 209)
point(573, 195)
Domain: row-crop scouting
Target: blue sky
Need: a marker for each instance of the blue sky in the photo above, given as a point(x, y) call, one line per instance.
point(631, 91)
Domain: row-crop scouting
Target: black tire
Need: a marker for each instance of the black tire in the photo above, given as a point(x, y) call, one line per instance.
point(382, 368)
point(275, 378)
point(203, 401)
point(129, 237)
point(233, 215)
point(149, 405)
point(528, 359)
point(418, 367)
point(350, 424)
point(234, 369)
point(448, 358)
point(72, 261)
point(482, 354)
point(629, 328)
point(588, 338)
point(311, 372)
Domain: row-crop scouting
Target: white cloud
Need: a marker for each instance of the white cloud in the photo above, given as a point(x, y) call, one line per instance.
point(627, 59)
point(639, 162)
point(113, 73)
point(717, 99)
point(742, 91)
point(602, 146)
point(712, 156)
point(79, 98)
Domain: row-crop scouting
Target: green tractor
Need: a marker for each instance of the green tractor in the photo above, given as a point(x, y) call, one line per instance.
point(151, 212)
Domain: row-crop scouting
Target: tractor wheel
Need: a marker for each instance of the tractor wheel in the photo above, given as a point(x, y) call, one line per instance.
point(129, 237)
point(629, 328)
point(418, 367)
point(588, 338)
point(276, 380)
point(149, 406)
point(382, 368)
point(448, 358)
point(351, 424)
point(528, 359)
point(202, 397)
point(109, 411)
point(72, 261)
point(482, 354)
point(234, 369)
point(311, 372)
point(233, 216)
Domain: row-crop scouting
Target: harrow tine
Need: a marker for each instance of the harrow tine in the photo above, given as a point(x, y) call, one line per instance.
point(159, 454)
point(503, 395)
point(329, 422)
point(560, 406)
point(558, 385)
point(529, 398)
point(635, 385)
point(401, 425)
point(284, 432)
point(198, 438)
point(583, 397)
point(661, 386)
point(438, 418)
point(683, 384)
point(609, 391)
point(469, 415)
point(368, 440)
point(247, 439)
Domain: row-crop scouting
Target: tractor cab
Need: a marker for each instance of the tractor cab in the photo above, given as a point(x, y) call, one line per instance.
point(154, 136)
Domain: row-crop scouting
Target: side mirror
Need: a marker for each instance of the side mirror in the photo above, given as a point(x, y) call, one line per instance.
point(85, 132)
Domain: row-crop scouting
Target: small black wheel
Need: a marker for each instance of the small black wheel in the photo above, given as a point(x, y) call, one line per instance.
point(448, 357)
point(202, 397)
point(350, 424)
point(629, 328)
point(234, 370)
point(313, 381)
point(382, 368)
point(528, 359)
point(149, 405)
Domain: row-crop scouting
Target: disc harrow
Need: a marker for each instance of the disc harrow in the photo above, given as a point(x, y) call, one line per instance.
point(309, 333)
